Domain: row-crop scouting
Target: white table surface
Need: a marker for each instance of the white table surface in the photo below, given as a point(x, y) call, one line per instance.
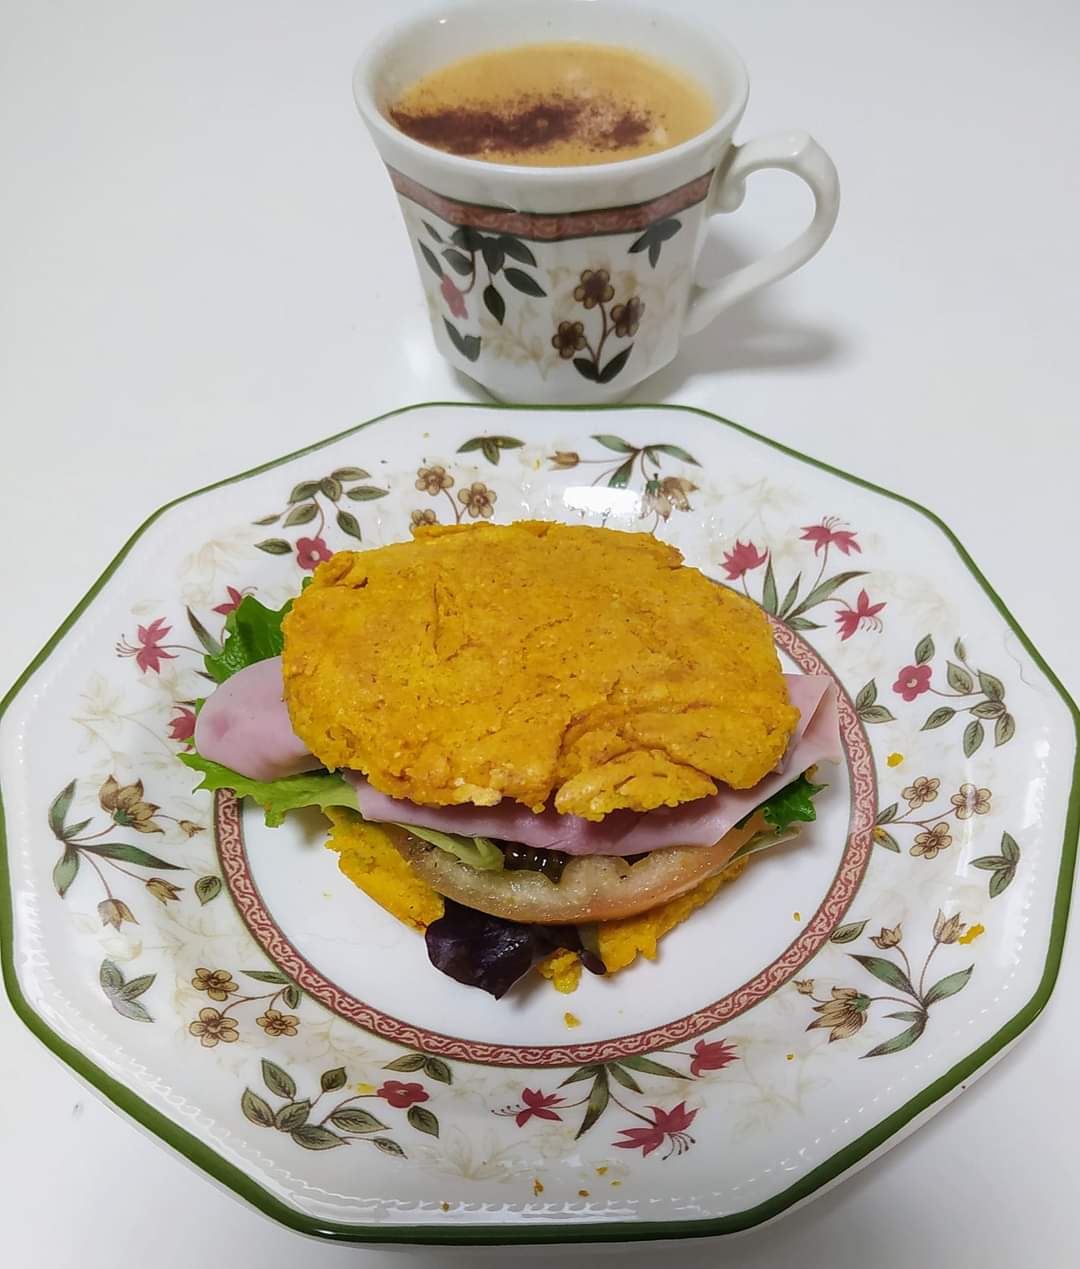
point(201, 269)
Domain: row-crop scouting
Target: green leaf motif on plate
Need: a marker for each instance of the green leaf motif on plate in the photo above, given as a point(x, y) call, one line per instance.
point(409, 1062)
point(769, 599)
point(436, 1069)
point(123, 995)
point(598, 1101)
point(647, 1066)
point(59, 808)
point(354, 1119)
point(333, 1079)
point(65, 871)
point(676, 451)
point(1003, 866)
point(948, 986)
point(899, 1042)
point(938, 718)
point(423, 1120)
point(315, 1137)
point(292, 1115)
point(207, 889)
point(615, 443)
point(886, 971)
point(279, 1082)
point(621, 1076)
point(924, 650)
point(256, 1109)
point(349, 524)
point(958, 678)
point(847, 933)
point(303, 513)
point(388, 1147)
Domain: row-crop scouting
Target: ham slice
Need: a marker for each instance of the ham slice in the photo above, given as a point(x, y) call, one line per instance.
point(700, 823)
point(245, 725)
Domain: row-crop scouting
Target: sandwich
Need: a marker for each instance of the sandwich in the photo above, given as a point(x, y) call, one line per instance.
point(541, 745)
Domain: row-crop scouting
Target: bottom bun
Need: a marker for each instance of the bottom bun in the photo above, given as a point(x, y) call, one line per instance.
point(592, 887)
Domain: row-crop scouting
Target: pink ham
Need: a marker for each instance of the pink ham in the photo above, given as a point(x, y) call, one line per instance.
point(699, 823)
point(245, 725)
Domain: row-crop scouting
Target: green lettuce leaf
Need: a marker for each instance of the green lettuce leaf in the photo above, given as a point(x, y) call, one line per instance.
point(763, 841)
point(311, 788)
point(252, 633)
point(794, 802)
point(478, 852)
point(323, 789)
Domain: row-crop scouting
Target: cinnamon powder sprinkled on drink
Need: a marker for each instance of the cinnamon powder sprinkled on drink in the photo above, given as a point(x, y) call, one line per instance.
point(529, 125)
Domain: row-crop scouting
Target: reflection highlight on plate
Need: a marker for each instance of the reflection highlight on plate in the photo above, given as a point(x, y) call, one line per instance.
point(601, 500)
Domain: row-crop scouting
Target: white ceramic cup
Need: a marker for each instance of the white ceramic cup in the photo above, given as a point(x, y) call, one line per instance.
point(510, 256)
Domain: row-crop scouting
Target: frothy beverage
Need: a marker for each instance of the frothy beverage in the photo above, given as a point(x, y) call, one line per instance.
point(554, 105)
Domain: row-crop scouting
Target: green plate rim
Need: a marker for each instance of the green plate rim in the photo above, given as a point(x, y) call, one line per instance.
point(245, 1187)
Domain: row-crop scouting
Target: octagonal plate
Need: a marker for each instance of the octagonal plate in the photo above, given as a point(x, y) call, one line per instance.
point(230, 990)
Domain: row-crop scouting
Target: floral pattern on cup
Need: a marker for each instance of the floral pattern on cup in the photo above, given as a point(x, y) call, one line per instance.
point(501, 254)
point(619, 321)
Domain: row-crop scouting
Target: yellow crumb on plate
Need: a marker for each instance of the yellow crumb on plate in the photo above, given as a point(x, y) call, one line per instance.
point(796, 916)
point(571, 1020)
point(895, 759)
point(583, 1193)
point(445, 1205)
point(365, 1090)
point(790, 1057)
point(538, 1185)
point(601, 1171)
point(562, 968)
point(971, 934)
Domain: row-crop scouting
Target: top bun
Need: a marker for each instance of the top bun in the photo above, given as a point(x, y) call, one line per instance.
point(543, 662)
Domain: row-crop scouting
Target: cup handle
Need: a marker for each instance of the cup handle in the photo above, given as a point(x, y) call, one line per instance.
point(796, 152)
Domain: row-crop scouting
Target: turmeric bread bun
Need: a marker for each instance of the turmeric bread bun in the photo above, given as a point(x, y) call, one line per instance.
point(553, 664)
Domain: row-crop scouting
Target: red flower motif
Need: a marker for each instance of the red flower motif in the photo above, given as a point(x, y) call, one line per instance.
point(711, 1057)
point(665, 1124)
point(744, 557)
point(912, 681)
point(311, 552)
point(538, 1104)
point(400, 1095)
point(850, 619)
point(826, 534)
point(235, 596)
point(182, 726)
point(454, 298)
point(150, 653)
